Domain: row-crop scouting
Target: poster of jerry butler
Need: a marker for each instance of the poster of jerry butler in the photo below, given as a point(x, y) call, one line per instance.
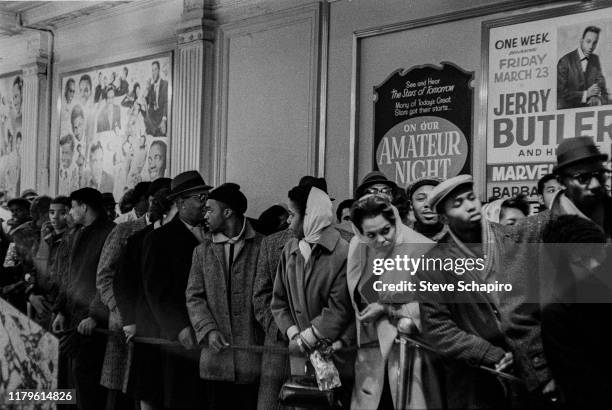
point(547, 80)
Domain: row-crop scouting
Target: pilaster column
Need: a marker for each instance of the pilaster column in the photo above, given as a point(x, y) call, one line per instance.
point(34, 125)
point(192, 93)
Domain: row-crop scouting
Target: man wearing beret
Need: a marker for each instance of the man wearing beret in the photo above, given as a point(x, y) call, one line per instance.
point(219, 300)
point(166, 258)
point(465, 327)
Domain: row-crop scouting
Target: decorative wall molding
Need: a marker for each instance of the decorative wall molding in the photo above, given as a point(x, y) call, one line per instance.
point(37, 68)
point(196, 34)
point(227, 11)
point(247, 27)
point(67, 14)
point(34, 120)
point(193, 69)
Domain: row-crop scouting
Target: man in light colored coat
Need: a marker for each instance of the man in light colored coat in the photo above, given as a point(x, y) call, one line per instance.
point(219, 301)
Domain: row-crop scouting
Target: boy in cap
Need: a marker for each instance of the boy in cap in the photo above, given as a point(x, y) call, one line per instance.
point(80, 306)
point(464, 326)
point(219, 300)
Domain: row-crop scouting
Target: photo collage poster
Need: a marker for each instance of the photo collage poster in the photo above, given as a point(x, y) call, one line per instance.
point(11, 138)
point(115, 126)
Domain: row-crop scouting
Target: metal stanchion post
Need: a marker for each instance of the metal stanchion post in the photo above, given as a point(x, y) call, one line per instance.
point(405, 327)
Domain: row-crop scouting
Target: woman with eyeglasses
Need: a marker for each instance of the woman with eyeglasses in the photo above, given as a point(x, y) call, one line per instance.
point(310, 301)
point(380, 234)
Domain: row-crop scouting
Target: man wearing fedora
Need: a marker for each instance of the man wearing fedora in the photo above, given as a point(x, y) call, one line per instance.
point(580, 169)
point(376, 182)
point(581, 172)
point(167, 253)
point(219, 300)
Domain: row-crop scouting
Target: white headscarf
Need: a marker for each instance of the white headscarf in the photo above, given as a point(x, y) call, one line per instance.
point(318, 216)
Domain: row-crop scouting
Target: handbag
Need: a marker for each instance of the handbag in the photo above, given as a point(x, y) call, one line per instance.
point(301, 391)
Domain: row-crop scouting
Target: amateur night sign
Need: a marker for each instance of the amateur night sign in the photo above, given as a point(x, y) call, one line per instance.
point(423, 123)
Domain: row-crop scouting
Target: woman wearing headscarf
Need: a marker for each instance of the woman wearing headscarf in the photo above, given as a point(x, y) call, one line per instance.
point(310, 301)
point(380, 234)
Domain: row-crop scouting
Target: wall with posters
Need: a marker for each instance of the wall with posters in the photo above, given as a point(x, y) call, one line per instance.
point(548, 79)
point(11, 136)
point(134, 36)
point(114, 125)
point(370, 40)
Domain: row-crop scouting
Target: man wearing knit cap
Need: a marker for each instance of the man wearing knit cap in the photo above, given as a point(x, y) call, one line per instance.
point(166, 258)
point(464, 326)
point(79, 304)
point(219, 300)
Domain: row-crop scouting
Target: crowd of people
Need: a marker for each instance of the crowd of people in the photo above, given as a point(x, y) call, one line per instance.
point(184, 302)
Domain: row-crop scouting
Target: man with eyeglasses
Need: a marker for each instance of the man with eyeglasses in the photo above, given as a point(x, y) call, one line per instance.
point(374, 183)
point(166, 257)
point(580, 169)
point(581, 172)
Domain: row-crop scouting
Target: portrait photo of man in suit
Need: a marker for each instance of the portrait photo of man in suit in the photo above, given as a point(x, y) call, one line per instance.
point(96, 177)
point(157, 103)
point(580, 80)
point(110, 116)
point(123, 87)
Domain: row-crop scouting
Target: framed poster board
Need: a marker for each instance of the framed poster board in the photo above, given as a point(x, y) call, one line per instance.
point(547, 77)
point(423, 123)
point(115, 125)
point(11, 136)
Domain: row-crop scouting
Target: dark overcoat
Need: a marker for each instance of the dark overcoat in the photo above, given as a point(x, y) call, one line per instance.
point(274, 367)
point(166, 260)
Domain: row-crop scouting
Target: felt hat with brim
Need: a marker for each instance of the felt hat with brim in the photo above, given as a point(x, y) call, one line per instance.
point(189, 182)
point(443, 190)
point(158, 184)
point(579, 149)
point(372, 178)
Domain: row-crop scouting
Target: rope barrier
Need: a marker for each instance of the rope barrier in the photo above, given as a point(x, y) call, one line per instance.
point(285, 350)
